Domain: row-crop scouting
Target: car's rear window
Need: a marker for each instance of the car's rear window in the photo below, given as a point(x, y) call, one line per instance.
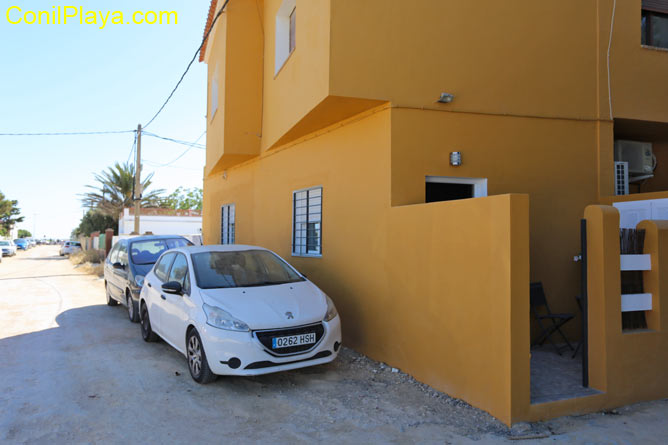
point(245, 268)
point(4, 243)
point(148, 251)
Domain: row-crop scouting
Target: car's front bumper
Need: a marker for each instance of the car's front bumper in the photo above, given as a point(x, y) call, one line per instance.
point(222, 346)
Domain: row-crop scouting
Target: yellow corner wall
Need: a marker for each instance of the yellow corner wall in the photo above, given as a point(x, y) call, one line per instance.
point(215, 122)
point(438, 290)
point(237, 55)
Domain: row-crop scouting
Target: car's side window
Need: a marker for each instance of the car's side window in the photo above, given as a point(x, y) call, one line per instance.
point(179, 272)
point(163, 265)
point(113, 255)
point(123, 254)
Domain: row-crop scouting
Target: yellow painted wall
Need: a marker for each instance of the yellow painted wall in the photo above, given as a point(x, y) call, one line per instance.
point(524, 57)
point(237, 53)
point(552, 161)
point(353, 109)
point(638, 74)
point(434, 289)
point(303, 81)
point(215, 128)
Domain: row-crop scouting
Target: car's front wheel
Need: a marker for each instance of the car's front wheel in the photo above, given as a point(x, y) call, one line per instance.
point(133, 314)
point(110, 299)
point(197, 363)
point(146, 332)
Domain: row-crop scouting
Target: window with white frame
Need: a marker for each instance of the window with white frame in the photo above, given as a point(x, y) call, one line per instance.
point(307, 222)
point(227, 224)
point(213, 94)
point(286, 32)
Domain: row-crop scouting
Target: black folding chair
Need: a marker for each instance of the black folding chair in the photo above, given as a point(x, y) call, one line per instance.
point(549, 323)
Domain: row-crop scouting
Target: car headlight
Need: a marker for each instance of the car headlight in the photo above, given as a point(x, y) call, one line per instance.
point(221, 319)
point(331, 310)
point(139, 280)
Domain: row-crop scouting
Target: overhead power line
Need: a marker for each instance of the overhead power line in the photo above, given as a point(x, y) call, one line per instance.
point(132, 150)
point(68, 133)
point(206, 36)
point(168, 164)
point(177, 141)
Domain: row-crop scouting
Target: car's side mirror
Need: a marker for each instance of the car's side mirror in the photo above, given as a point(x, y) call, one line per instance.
point(173, 287)
point(119, 266)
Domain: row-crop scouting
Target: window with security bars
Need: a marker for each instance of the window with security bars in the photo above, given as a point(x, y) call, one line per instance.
point(307, 222)
point(227, 224)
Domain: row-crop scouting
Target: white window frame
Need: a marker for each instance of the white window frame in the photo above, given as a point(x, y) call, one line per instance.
point(301, 250)
point(282, 36)
point(213, 94)
point(228, 228)
point(479, 184)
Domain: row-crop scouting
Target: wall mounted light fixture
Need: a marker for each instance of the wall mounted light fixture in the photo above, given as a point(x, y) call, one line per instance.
point(455, 158)
point(446, 98)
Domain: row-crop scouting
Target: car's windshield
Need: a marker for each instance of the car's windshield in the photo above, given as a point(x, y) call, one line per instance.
point(4, 243)
point(246, 268)
point(148, 252)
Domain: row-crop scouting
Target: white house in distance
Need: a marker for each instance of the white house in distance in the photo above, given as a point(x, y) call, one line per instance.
point(161, 222)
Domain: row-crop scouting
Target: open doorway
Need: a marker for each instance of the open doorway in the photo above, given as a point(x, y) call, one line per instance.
point(448, 188)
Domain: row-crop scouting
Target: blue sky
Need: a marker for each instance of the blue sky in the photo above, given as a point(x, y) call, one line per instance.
point(76, 77)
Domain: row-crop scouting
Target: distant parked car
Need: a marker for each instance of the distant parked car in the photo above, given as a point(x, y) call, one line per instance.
point(128, 263)
point(70, 247)
point(8, 248)
point(238, 310)
point(21, 244)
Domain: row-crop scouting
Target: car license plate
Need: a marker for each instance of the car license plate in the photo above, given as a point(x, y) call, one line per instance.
point(293, 340)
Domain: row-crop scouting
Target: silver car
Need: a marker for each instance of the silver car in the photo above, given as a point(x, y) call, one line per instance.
point(70, 247)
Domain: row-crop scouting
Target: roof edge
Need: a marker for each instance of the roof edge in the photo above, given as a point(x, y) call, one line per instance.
point(209, 21)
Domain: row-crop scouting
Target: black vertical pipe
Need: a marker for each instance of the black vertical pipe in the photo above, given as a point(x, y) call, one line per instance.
point(585, 303)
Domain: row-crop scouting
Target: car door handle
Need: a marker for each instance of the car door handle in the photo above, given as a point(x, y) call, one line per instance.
point(149, 284)
point(163, 297)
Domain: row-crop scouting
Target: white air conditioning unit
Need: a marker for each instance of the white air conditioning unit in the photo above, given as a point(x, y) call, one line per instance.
point(638, 155)
point(621, 178)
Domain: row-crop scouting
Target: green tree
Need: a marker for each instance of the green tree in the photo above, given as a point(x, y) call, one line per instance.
point(184, 199)
point(9, 214)
point(95, 222)
point(114, 188)
point(24, 234)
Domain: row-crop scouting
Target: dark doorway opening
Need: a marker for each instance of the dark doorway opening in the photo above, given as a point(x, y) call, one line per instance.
point(441, 191)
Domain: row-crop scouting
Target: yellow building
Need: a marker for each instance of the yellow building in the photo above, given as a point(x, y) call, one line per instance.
point(343, 134)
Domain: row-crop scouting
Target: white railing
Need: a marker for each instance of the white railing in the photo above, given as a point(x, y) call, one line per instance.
point(636, 302)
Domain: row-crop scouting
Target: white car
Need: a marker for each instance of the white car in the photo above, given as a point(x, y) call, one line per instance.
point(70, 247)
point(237, 310)
point(7, 248)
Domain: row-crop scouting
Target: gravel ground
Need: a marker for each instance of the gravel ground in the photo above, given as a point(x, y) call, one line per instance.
point(76, 371)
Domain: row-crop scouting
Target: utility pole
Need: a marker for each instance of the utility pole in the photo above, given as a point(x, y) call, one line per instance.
point(138, 190)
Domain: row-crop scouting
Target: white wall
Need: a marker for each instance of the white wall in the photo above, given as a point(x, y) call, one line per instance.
point(161, 225)
point(632, 212)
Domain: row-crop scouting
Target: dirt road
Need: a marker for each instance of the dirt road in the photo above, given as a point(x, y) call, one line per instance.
point(73, 370)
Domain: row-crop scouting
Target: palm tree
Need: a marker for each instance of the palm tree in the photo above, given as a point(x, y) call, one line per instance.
point(115, 189)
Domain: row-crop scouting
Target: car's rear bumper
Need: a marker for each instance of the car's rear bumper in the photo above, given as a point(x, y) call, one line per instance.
point(222, 347)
